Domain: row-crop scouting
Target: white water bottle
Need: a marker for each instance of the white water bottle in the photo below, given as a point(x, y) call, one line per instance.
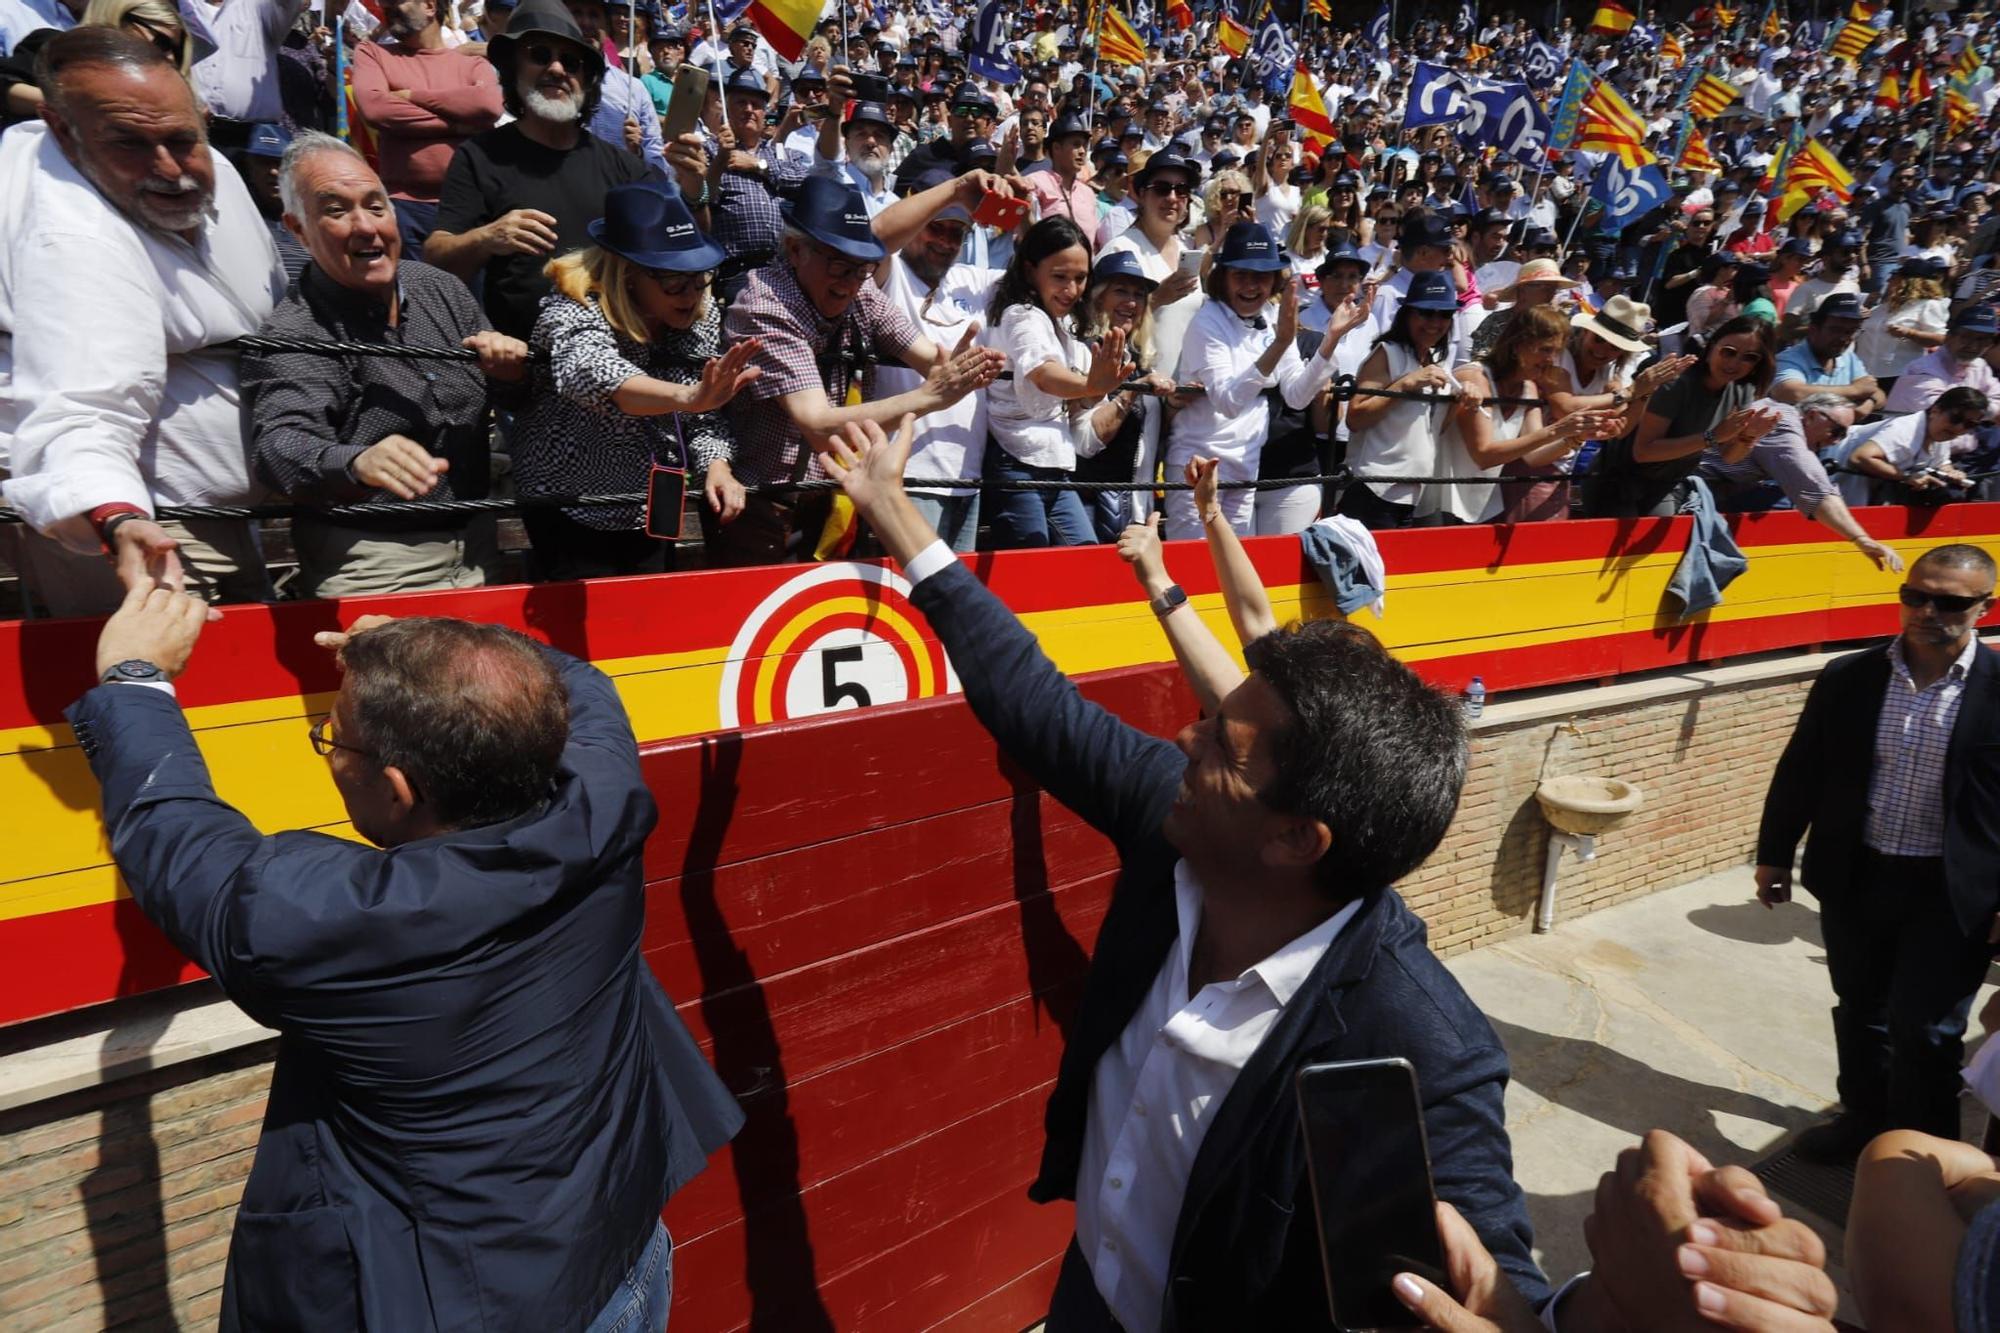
point(1475, 699)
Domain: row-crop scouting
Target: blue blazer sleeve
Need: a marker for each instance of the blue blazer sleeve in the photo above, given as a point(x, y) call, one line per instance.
point(178, 845)
point(600, 732)
point(1115, 776)
point(1797, 780)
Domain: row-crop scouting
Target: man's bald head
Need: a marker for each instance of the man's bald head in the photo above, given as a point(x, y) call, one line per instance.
point(123, 114)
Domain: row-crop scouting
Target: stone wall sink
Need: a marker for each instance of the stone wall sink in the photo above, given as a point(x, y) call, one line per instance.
point(1587, 805)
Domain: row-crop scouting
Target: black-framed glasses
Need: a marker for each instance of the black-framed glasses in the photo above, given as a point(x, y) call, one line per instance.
point(839, 269)
point(1836, 430)
point(323, 743)
point(1172, 189)
point(541, 53)
point(1948, 604)
point(675, 283)
point(954, 232)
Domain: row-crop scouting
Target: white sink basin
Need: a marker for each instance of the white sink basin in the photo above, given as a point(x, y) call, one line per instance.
point(1585, 805)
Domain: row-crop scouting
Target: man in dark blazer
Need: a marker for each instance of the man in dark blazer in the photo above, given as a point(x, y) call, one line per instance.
point(1894, 766)
point(482, 1098)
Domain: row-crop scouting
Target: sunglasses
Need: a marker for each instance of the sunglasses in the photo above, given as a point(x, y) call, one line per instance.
point(1230, 196)
point(541, 53)
point(1170, 188)
point(948, 231)
point(1948, 604)
point(1836, 430)
point(675, 283)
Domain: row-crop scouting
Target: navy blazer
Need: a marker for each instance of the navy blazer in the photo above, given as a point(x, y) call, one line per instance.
point(1245, 1251)
point(482, 1097)
point(1821, 784)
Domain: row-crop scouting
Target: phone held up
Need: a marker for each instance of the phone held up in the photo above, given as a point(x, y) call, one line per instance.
point(1370, 1170)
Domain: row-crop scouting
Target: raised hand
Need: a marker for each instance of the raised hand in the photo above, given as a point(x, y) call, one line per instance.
point(1660, 373)
point(144, 555)
point(969, 367)
point(1287, 325)
point(1108, 366)
point(1139, 547)
point(1200, 473)
point(154, 624)
point(869, 463)
point(724, 376)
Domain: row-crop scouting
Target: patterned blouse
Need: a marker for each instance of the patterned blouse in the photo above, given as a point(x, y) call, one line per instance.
point(573, 440)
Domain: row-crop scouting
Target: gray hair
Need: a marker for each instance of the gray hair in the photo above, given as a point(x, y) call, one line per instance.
point(308, 143)
point(1822, 402)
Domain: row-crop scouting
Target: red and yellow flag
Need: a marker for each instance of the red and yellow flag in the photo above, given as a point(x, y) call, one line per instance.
point(1695, 154)
point(1116, 40)
point(1854, 38)
point(1862, 12)
point(1475, 53)
point(1610, 125)
point(1612, 19)
point(1967, 63)
point(1959, 109)
point(1710, 96)
point(1725, 17)
point(1235, 38)
point(1888, 96)
point(1308, 108)
point(1919, 89)
point(1813, 169)
point(1321, 9)
point(1773, 28)
point(786, 24)
point(1180, 15)
point(1671, 48)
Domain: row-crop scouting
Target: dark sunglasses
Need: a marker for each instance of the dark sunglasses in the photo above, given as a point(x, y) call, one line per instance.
point(541, 53)
point(1948, 604)
point(1171, 188)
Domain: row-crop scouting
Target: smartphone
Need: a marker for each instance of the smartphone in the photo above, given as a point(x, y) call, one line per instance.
point(1001, 211)
point(666, 502)
point(870, 88)
point(1191, 258)
point(684, 107)
point(1370, 1170)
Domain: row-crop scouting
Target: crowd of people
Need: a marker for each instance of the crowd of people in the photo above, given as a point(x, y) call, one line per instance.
point(1089, 271)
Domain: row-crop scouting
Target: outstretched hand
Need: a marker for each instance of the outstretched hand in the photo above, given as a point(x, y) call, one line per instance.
point(1108, 366)
point(154, 624)
point(869, 463)
point(723, 377)
point(337, 639)
point(1139, 547)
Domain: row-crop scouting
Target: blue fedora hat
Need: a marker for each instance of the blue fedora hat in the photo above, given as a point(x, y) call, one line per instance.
point(1122, 265)
point(833, 213)
point(1432, 291)
point(1424, 228)
point(649, 225)
point(1249, 245)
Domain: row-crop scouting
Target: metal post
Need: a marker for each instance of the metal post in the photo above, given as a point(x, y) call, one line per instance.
point(340, 126)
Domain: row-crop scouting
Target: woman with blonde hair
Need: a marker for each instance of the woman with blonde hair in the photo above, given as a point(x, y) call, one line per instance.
point(1909, 322)
point(629, 373)
point(155, 21)
point(1305, 246)
point(1226, 202)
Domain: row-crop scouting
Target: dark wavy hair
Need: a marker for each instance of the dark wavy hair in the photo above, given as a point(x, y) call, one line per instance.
point(1050, 236)
point(1767, 349)
point(1371, 751)
point(474, 715)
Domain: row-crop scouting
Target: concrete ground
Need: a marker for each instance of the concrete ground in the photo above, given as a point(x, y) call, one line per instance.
point(1694, 1009)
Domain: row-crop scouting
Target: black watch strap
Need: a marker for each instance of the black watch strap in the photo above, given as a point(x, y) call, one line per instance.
point(1170, 597)
point(133, 671)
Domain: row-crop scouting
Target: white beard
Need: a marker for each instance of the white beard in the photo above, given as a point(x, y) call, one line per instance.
point(555, 110)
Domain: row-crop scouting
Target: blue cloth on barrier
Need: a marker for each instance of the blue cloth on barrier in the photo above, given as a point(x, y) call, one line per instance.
point(1712, 559)
point(1336, 555)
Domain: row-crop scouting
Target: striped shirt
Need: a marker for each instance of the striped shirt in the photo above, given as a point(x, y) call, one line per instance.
point(1906, 783)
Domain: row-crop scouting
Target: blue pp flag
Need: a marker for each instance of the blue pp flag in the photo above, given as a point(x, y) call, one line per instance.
point(1437, 97)
point(1468, 18)
point(1627, 192)
point(986, 51)
point(1505, 116)
point(1378, 28)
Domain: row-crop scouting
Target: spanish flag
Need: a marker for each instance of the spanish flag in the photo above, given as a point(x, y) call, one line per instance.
point(1309, 108)
point(1919, 89)
point(1710, 96)
point(1610, 125)
point(1695, 155)
point(1611, 19)
point(1235, 38)
point(1811, 170)
point(1116, 41)
point(1180, 15)
point(786, 24)
point(1853, 39)
point(1671, 48)
point(1888, 96)
point(1862, 13)
point(1725, 17)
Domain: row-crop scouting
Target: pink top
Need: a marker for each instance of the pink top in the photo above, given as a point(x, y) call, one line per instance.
point(452, 96)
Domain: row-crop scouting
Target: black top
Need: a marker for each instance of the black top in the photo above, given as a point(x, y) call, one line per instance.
point(1670, 304)
point(503, 169)
point(1619, 486)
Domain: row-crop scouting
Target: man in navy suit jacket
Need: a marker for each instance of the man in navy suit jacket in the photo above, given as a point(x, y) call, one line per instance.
point(482, 1098)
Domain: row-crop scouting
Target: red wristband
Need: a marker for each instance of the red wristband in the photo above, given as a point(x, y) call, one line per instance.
point(106, 512)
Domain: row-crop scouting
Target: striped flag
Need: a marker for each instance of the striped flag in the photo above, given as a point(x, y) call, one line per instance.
point(1772, 27)
point(786, 24)
point(1862, 12)
point(1919, 90)
point(1180, 15)
point(1780, 166)
point(1612, 19)
point(1308, 108)
point(1852, 40)
point(1610, 125)
point(1695, 155)
point(1671, 48)
point(1959, 108)
point(1888, 96)
point(1813, 169)
point(1235, 38)
point(1116, 41)
point(1710, 96)
point(1474, 53)
point(1320, 9)
point(1967, 63)
point(1725, 17)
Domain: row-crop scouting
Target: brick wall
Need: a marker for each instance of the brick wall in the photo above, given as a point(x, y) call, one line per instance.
point(116, 1203)
point(1703, 761)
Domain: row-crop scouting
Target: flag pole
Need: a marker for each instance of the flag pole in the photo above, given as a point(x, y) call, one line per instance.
point(1582, 208)
point(340, 126)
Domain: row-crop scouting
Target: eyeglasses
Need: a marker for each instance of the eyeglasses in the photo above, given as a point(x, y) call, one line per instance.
point(1948, 604)
point(844, 270)
point(541, 53)
point(1728, 353)
point(676, 283)
point(1836, 430)
point(1174, 189)
point(323, 743)
point(948, 231)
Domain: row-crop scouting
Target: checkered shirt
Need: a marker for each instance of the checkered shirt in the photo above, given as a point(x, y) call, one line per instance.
point(1906, 784)
point(802, 349)
point(745, 208)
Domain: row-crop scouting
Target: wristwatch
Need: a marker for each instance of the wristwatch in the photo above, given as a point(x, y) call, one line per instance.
point(133, 671)
point(1170, 597)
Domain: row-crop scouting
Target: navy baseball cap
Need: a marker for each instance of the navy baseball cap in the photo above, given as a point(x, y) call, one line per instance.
point(867, 113)
point(1432, 291)
point(746, 81)
point(268, 140)
point(1838, 305)
point(1250, 245)
point(1344, 253)
point(1973, 319)
point(1124, 265)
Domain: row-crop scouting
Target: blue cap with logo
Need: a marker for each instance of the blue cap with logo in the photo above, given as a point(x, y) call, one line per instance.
point(649, 224)
point(1124, 266)
point(1432, 291)
point(834, 214)
point(1250, 245)
point(268, 140)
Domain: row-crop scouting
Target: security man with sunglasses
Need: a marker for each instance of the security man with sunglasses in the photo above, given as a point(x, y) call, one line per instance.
point(1895, 768)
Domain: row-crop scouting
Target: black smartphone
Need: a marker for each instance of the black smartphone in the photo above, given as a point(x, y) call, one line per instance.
point(870, 88)
point(666, 501)
point(1370, 1169)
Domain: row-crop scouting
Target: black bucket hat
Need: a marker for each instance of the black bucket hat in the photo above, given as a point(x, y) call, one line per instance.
point(548, 18)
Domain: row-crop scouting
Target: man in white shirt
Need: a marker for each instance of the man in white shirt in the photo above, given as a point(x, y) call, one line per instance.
point(237, 80)
point(128, 253)
point(865, 146)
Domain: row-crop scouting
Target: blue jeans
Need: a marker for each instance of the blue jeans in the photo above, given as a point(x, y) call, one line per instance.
point(414, 223)
point(955, 518)
point(644, 1294)
point(1033, 518)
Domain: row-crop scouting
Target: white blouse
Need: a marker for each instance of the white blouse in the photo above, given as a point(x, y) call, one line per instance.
point(1037, 429)
point(1229, 421)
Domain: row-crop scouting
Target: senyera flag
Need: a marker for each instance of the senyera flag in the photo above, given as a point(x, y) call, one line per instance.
point(1308, 107)
point(1117, 42)
point(1612, 20)
point(1918, 91)
point(1852, 40)
point(1610, 125)
point(1711, 95)
point(1813, 168)
point(1695, 154)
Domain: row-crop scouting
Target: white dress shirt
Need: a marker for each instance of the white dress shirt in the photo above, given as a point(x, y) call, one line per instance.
point(1155, 1093)
point(1229, 421)
point(1170, 321)
point(238, 78)
point(1036, 428)
point(950, 442)
point(110, 386)
point(18, 18)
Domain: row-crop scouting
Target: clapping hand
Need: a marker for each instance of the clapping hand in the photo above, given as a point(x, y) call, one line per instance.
point(1597, 424)
point(969, 367)
point(724, 376)
point(1660, 372)
point(1287, 323)
point(1108, 366)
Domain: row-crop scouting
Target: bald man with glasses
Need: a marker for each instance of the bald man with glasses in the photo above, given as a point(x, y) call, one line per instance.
point(1894, 767)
